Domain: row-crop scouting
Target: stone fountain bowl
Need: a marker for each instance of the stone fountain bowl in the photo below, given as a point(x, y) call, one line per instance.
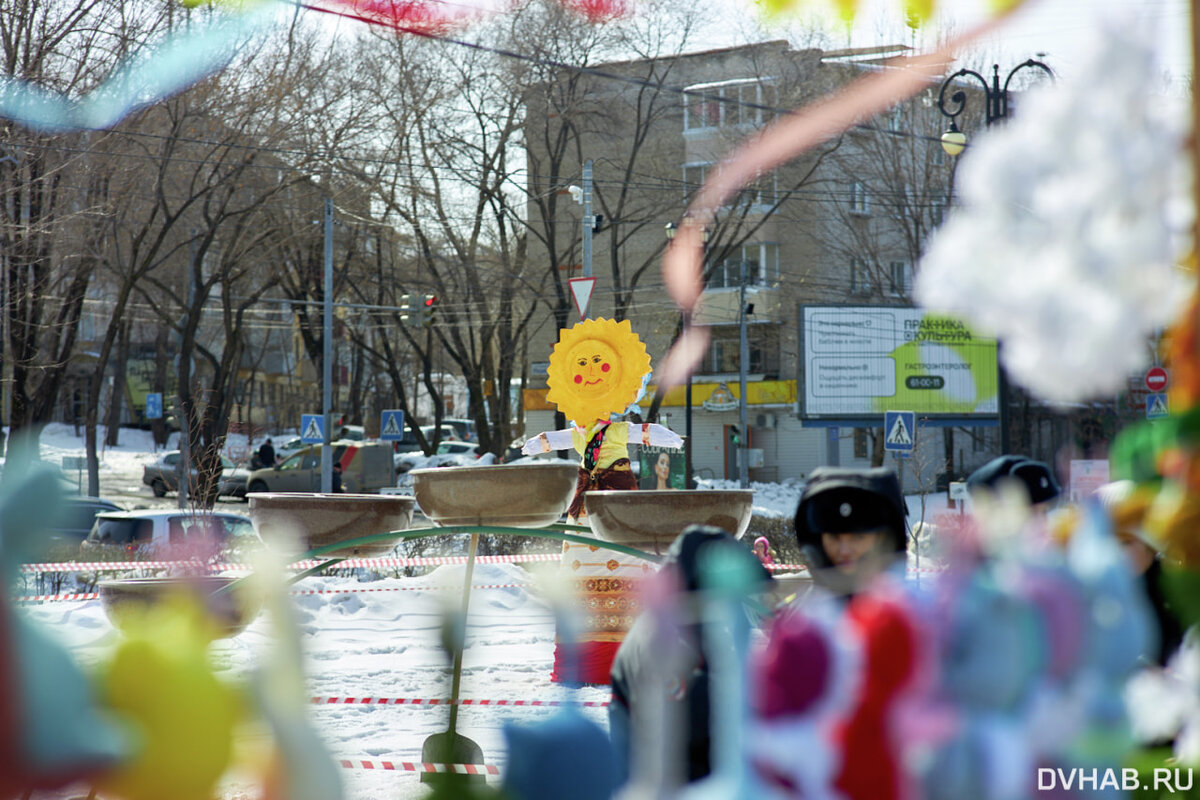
point(327, 519)
point(230, 609)
point(655, 517)
point(511, 495)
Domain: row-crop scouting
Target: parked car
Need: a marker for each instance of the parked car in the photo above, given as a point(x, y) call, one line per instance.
point(366, 467)
point(409, 443)
point(163, 476)
point(458, 448)
point(76, 520)
point(294, 444)
point(158, 532)
point(463, 428)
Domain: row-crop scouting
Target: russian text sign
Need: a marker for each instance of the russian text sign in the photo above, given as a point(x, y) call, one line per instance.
point(861, 361)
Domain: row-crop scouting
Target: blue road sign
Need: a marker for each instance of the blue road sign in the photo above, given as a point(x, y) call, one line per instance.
point(1156, 406)
point(899, 431)
point(312, 428)
point(391, 426)
point(154, 405)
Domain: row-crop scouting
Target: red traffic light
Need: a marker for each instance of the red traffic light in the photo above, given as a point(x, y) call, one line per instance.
point(430, 300)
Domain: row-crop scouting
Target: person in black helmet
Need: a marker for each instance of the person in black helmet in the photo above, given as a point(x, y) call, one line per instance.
point(1034, 476)
point(850, 525)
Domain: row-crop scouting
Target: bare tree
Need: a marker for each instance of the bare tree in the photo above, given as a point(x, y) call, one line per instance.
point(53, 192)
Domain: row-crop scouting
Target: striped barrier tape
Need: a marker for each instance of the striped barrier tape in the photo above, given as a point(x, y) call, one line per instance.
point(417, 766)
point(351, 563)
point(55, 598)
point(60, 598)
point(411, 701)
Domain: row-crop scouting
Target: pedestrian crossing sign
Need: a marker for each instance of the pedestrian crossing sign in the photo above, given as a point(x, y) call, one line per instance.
point(899, 431)
point(312, 428)
point(1156, 406)
point(391, 426)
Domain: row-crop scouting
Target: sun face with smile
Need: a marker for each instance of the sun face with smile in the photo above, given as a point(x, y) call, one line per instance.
point(594, 365)
point(596, 369)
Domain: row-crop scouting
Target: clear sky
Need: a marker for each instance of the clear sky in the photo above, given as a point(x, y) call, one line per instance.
point(1057, 28)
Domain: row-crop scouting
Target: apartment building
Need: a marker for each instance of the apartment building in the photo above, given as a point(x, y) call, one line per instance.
point(842, 226)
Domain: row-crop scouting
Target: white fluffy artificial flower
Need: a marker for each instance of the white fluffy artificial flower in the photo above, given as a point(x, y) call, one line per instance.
point(1072, 223)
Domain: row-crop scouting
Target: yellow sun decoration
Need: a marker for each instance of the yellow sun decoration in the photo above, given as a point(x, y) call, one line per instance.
point(596, 369)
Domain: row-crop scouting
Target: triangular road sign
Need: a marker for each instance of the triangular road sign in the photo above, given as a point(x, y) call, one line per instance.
point(581, 293)
point(899, 433)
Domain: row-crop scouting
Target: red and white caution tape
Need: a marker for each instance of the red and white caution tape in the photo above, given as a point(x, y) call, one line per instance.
point(415, 588)
point(61, 598)
point(54, 598)
point(416, 701)
point(350, 563)
point(417, 766)
point(804, 568)
point(101, 566)
point(430, 561)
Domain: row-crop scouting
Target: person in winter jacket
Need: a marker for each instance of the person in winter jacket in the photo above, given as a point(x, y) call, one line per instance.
point(850, 525)
point(664, 666)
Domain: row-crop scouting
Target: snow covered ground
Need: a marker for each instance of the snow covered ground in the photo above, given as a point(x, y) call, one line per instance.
point(378, 639)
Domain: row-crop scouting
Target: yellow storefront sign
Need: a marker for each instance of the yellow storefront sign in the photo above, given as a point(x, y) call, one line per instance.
point(758, 393)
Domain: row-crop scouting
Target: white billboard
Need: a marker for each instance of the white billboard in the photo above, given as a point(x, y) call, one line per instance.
point(860, 361)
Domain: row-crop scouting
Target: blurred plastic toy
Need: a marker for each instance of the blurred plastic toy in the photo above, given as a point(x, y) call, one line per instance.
point(52, 731)
point(160, 680)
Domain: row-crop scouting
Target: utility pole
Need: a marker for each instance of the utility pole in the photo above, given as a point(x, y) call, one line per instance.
point(327, 355)
point(185, 418)
point(589, 221)
point(744, 358)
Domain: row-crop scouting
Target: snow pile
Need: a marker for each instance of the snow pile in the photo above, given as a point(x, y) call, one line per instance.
point(778, 500)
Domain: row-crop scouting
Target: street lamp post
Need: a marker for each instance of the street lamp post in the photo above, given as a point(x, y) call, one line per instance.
point(686, 320)
point(953, 142)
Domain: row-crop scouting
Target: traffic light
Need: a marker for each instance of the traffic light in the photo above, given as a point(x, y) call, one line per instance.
point(407, 312)
point(428, 310)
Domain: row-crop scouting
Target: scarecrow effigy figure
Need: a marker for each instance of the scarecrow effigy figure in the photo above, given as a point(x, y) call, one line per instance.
point(597, 370)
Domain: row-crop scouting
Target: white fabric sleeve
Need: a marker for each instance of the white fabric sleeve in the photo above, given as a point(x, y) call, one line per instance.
point(546, 441)
point(661, 436)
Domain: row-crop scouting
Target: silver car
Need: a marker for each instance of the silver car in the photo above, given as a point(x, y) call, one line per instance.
point(163, 476)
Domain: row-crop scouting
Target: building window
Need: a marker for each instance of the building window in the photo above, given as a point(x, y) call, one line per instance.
point(694, 176)
point(937, 211)
point(860, 277)
point(899, 277)
point(762, 342)
point(763, 192)
point(859, 203)
point(860, 443)
point(746, 101)
point(762, 267)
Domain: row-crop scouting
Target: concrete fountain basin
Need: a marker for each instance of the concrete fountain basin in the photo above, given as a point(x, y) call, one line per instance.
point(653, 518)
point(508, 495)
point(230, 609)
point(320, 520)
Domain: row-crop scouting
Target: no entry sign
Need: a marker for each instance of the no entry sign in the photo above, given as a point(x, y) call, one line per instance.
point(1156, 379)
